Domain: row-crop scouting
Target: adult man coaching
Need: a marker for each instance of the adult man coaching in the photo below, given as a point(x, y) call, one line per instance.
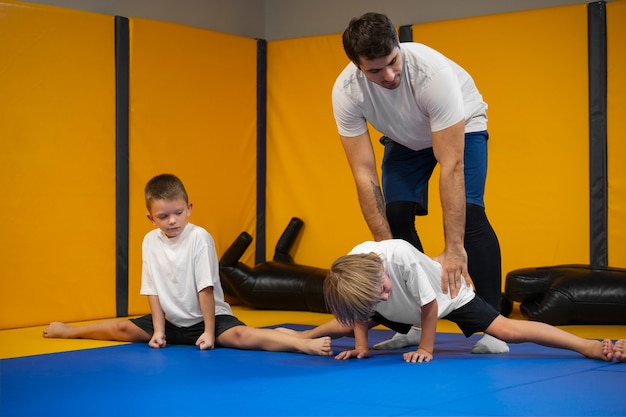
point(430, 112)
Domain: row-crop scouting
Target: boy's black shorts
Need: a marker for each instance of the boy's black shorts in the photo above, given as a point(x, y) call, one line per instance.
point(175, 335)
point(473, 317)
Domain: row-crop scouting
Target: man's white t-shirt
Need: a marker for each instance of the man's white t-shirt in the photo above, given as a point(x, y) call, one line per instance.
point(176, 269)
point(434, 94)
point(415, 281)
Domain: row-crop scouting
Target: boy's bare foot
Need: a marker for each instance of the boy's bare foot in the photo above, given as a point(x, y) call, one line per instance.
point(320, 346)
point(56, 329)
point(619, 350)
point(601, 350)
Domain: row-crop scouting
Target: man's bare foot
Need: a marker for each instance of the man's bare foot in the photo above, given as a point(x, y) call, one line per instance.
point(56, 329)
point(320, 346)
point(619, 350)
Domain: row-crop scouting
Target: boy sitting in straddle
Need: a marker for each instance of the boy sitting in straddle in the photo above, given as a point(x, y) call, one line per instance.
point(180, 276)
point(393, 284)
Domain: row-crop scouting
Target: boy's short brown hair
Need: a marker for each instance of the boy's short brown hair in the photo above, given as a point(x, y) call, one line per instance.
point(352, 287)
point(165, 187)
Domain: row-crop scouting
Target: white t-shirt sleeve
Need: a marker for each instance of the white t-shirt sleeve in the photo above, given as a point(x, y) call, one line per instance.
point(442, 99)
point(349, 119)
point(205, 262)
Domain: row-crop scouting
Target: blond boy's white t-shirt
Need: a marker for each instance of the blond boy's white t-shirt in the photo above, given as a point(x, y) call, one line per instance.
point(415, 281)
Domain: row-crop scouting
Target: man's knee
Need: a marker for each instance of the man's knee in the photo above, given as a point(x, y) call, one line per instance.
point(476, 219)
point(401, 219)
point(474, 212)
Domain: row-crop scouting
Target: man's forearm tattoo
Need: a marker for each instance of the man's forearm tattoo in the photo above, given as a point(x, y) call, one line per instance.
point(380, 200)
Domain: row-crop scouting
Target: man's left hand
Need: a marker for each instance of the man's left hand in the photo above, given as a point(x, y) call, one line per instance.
point(453, 267)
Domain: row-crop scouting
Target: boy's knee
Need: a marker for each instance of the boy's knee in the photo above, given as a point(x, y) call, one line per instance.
point(124, 325)
point(240, 333)
point(510, 332)
point(246, 332)
point(128, 330)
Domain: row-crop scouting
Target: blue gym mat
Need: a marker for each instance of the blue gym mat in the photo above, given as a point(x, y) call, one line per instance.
point(134, 380)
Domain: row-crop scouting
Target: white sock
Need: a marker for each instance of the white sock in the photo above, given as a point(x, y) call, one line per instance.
point(400, 340)
point(489, 344)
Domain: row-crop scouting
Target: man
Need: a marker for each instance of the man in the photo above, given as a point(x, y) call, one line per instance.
point(430, 112)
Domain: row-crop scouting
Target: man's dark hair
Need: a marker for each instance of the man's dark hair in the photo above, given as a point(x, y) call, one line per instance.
point(370, 36)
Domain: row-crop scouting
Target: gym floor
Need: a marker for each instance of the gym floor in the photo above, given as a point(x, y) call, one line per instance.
point(55, 377)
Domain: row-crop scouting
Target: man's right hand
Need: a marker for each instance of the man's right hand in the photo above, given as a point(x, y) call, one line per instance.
point(453, 267)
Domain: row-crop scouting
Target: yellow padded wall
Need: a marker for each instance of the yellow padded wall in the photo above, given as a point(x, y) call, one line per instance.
point(57, 165)
point(193, 114)
point(616, 128)
point(308, 175)
point(531, 68)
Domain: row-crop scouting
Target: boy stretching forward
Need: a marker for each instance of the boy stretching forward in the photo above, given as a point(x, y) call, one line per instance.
point(180, 276)
point(393, 284)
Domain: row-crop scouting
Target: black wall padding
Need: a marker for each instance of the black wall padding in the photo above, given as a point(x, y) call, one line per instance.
point(598, 183)
point(261, 149)
point(122, 56)
point(405, 33)
point(569, 294)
